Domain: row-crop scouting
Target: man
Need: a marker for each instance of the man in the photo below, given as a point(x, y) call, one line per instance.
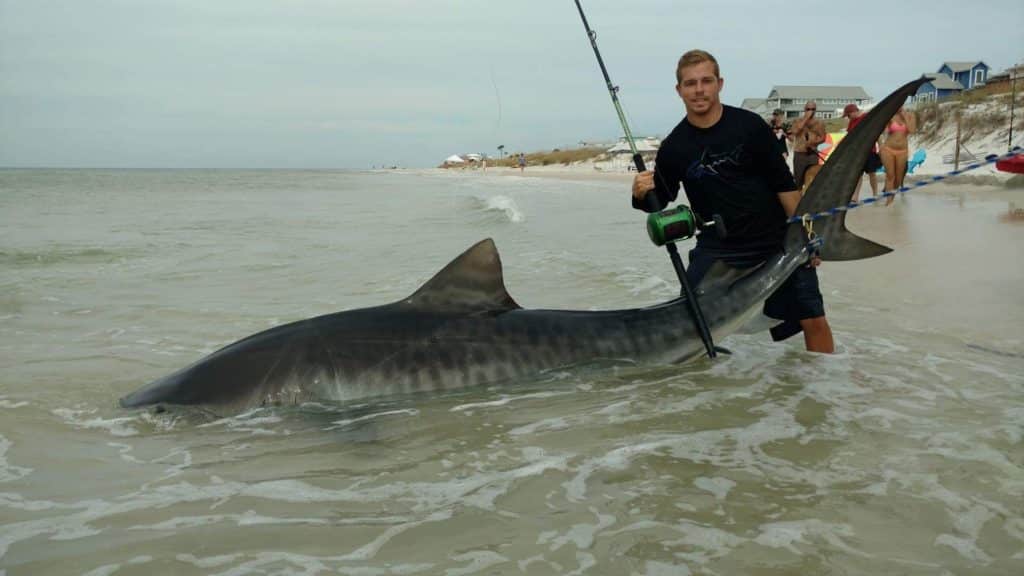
point(726, 161)
point(874, 161)
point(781, 132)
point(807, 133)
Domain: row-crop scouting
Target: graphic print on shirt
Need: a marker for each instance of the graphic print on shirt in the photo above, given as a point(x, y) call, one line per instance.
point(711, 164)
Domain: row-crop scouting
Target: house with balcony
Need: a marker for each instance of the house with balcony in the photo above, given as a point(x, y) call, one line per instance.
point(830, 100)
point(758, 106)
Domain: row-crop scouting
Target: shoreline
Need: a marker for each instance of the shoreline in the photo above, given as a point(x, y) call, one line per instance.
point(984, 177)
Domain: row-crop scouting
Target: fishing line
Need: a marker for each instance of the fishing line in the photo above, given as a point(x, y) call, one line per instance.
point(497, 96)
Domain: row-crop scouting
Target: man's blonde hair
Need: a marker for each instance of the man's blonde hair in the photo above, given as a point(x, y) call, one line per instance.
point(692, 58)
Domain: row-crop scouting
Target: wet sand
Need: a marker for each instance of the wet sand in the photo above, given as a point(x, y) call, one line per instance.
point(956, 263)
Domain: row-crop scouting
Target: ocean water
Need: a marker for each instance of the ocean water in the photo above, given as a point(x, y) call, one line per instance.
point(900, 454)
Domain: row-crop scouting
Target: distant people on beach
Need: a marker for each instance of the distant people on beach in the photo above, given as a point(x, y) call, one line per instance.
point(781, 131)
point(807, 133)
point(521, 161)
point(854, 115)
point(896, 149)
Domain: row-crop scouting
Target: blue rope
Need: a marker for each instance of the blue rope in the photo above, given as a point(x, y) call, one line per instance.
point(990, 159)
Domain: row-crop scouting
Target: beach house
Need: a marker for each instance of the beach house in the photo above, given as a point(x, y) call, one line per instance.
point(938, 87)
point(758, 106)
point(620, 156)
point(830, 99)
point(967, 74)
point(951, 79)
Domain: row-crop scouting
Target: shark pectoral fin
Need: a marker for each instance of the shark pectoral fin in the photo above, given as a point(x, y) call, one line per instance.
point(841, 244)
point(851, 247)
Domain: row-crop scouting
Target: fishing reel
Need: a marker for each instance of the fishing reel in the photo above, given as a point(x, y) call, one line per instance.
point(679, 223)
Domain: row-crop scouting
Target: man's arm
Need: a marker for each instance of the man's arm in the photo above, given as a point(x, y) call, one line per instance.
point(815, 134)
point(660, 184)
point(789, 201)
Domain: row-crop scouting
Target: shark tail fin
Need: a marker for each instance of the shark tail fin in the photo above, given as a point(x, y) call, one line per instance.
point(837, 181)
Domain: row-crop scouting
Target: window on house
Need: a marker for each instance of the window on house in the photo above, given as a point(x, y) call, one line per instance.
point(979, 77)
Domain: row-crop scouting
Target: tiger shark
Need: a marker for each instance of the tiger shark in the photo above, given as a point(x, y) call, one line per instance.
point(462, 328)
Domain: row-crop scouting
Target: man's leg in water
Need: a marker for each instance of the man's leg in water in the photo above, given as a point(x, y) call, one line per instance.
point(818, 335)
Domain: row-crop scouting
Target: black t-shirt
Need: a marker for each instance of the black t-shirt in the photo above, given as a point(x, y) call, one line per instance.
point(731, 169)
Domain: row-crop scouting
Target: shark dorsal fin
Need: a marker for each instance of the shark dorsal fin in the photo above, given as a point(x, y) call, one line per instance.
point(471, 283)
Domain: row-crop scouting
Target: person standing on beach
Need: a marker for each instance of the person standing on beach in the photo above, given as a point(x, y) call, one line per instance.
point(854, 115)
point(807, 133)
point(521, 161)
point(896, 149)
point(726, 160)
point(780, 130)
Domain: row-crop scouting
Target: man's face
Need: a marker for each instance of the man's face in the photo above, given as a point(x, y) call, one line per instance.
point(699, 88)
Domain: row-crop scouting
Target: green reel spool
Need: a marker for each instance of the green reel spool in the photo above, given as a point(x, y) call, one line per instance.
point(671, 225)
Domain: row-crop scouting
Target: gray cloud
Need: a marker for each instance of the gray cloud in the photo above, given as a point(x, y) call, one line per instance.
point(352, 84)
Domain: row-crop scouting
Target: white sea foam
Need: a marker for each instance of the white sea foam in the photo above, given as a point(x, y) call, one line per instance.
point(506, 206)
point(964, 547)
point(505, 400)
point(580, 535)
point(119, 426)
point(788, 534)
point(8, 471)
point(548, 424)
point(368, 417)
point(9, 404)
point(477, 561)
point(720, 487)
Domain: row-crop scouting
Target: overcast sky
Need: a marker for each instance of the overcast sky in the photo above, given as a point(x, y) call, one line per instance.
point(363, 83)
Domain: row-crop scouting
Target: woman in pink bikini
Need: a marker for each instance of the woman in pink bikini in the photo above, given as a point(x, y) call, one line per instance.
point(896, 149)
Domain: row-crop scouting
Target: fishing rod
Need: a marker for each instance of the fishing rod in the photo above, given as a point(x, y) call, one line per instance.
point(664, 228)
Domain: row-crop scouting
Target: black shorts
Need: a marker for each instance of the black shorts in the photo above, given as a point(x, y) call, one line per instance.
point(873, 163)
point(798, 298)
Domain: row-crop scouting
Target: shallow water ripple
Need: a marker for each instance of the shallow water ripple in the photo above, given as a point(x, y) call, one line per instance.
point(900, 454)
